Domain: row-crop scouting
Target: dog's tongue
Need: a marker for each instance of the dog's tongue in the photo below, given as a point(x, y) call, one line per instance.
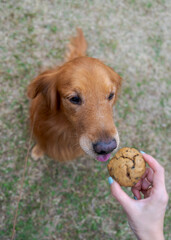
point(103, 158)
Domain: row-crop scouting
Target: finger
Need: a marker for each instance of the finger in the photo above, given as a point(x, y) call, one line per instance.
point(146, 193)
point(158, 177)
point(145, 184)
point(148, 174)
point(138, 185)
point(152, 162)
point(136, 189)
point(136, 193)
point(120, 195)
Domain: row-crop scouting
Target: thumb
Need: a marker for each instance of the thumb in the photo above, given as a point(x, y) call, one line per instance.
point(119, 194)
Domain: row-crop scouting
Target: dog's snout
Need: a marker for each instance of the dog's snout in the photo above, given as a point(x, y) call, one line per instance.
point(102, 147)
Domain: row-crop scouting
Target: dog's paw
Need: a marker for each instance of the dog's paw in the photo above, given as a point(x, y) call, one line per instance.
point(37, 153)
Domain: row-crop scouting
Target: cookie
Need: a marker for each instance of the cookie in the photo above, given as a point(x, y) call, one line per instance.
point(127, 166)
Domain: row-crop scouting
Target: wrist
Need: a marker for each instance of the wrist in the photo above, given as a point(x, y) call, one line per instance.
point(157, 235)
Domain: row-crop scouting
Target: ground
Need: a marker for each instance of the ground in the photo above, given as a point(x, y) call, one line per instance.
point(73, 200)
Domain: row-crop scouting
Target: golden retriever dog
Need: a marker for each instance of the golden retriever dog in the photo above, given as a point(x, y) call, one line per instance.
point(71, 110)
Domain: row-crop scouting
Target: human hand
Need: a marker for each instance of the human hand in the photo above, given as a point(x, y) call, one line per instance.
point(145, 216)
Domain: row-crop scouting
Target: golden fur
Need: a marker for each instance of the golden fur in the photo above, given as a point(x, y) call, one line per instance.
point(64, 130)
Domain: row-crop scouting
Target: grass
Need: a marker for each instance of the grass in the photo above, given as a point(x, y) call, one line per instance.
point(73, 200)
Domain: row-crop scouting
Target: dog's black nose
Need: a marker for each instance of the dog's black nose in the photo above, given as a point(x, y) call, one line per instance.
point(104, 147)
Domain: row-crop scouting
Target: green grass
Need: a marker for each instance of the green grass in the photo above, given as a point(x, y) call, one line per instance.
point(73, 200)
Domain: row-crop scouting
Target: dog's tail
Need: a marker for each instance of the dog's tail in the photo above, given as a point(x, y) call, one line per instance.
point(77, 46)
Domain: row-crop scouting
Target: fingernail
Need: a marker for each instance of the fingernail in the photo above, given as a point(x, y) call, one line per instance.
point(142, 152)
point(110, 180)
point(135, 198)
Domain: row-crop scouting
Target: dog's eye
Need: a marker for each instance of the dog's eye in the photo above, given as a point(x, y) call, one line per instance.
point(111, 95)
point(75, 100)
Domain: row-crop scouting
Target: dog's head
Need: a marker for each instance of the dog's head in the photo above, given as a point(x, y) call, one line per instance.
point(84, 90)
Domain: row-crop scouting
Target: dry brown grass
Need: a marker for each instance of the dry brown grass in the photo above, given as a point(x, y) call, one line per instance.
point(73, 201)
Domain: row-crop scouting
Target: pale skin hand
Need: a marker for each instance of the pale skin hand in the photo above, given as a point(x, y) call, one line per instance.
point(145, 216)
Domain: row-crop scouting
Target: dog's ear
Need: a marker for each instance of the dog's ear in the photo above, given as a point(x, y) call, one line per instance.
point(45, 84)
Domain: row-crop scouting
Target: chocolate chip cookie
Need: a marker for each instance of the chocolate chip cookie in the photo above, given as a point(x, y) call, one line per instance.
point(127, 166)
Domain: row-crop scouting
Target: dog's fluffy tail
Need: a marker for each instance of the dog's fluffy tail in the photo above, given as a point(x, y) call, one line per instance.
point(77, 46)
